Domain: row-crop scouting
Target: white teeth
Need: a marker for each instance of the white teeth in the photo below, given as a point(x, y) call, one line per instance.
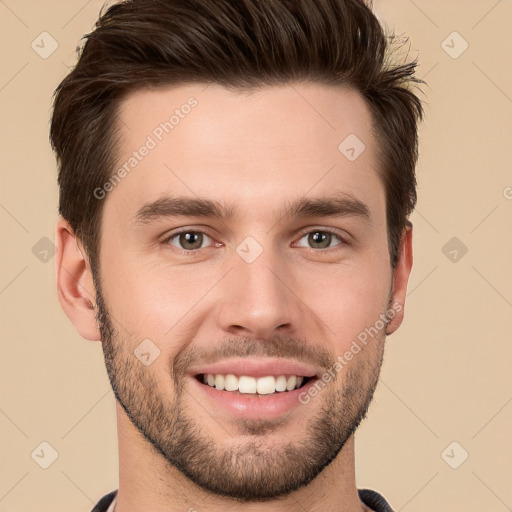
point(291, 382)
point(281, 383)
point(251, 385)
point(247, 384)
point(231, 382)
point(266, 385)
point(219, 381)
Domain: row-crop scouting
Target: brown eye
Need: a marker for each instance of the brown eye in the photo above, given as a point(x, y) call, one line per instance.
point(188, 240)
point(319, 239)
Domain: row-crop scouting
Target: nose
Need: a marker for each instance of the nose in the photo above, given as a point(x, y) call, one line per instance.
point(257, 299)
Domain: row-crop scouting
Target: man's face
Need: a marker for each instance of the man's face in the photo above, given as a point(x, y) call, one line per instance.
point(271, 280)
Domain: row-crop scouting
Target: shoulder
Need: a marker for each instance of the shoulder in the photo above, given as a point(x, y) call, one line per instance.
point(374, 500)
point(104, 503)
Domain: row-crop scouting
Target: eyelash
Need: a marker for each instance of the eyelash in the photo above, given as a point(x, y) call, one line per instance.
point(190, 252)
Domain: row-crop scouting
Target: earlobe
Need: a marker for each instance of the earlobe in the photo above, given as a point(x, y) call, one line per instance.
point(75, 286)
point(401, 275)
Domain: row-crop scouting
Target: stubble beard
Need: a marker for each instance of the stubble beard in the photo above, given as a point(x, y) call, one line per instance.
point(251, 469)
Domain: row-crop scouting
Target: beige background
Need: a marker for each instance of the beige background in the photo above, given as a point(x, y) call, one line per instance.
point(447, 372)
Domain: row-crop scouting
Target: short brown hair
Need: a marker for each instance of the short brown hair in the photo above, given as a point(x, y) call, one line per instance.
point(240, 44)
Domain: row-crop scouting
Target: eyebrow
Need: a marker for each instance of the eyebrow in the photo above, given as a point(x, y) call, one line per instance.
point(339, 205)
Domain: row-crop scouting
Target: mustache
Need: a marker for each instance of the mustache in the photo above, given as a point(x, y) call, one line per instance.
point(281, 346)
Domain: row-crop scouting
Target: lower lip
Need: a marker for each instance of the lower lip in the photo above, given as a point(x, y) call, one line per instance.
point(252, 406)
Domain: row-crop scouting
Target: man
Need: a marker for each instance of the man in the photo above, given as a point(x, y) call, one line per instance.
point(235, 183)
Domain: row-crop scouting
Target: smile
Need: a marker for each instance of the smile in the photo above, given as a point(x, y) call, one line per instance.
point(246, 384)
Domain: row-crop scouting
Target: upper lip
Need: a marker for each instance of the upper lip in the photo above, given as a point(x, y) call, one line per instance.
point(257, 368)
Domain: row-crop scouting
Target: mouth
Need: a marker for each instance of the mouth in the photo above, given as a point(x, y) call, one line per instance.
point(254, 388)
point(269, 385)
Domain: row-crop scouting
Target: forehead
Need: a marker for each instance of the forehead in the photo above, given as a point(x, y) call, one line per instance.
point(253, 148)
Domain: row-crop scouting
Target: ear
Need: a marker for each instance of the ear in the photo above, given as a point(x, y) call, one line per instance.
point(401, 274)
point(75, 286)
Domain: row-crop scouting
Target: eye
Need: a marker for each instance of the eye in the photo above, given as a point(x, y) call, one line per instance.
point(188, 240)
point(320, 239)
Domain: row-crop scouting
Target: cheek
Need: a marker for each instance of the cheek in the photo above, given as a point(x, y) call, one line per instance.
point(154, 300)
point(348, 301)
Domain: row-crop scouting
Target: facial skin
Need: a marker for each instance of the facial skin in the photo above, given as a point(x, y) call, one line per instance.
point(255, 154)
